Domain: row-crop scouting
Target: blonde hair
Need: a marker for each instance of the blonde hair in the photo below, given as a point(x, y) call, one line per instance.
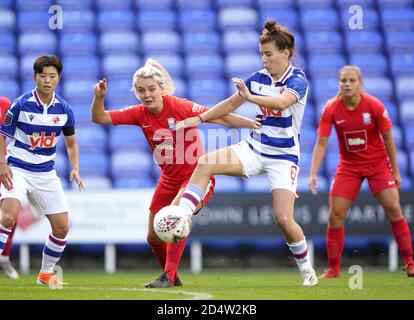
point(153, 69)
point(347, 67)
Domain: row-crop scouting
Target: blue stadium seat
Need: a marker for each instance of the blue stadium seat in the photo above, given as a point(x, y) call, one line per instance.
point(84, 67)
point(331, 161)
point(7, 20)
point(201, 42)
point(197, 20)
point(380, 87)
point(323, 42)
point(95, 183)
point(307, 138)
point(191, 4)
point(119, 42)
point(397, 19)
point(160, 42)
point(272, 4)
point(259, 183)
point(120, 66)
point(29, 85)
point(233, 3)
point(172, 62)
point(333, 142)
point(6, 4)
point(402, 159)
point(360, 41)
point(7, 43)
point(149, 20)
point(325, 88)
point(116, 20)
point(61, 164)
point(402, 64)
point(82, 113)
point(392, 4)
point(407, 183)
point(303, 183)
point(315, 4)
point(319, 19)
point(392, 110)
point(285, 17)
point(409, 138)
point(128, 183)
point(370, 20)
point(119, 94)
point(370, 64)
point(33, 5)
point(400, 41)
point(206, 91)
point(26, 66)
point(204, 66)
point(305, 162)
point(151, 4)
point(9, 67)
point(33, 21)
point(238, 18)
point(78, 43)
point(9, 88)
point(114, 4)
point(92, 138)
point(94, 164)
point(127, 138)
point(39, 43)
point(78, 91)
point(180, 88)
point(405, 88)
point(407, 113)
point(240, 41)
point(228, 184)
point(398, 136)
point(362, 3)
point(75, 4)
point(78, 21)
point(309, 116)
point(326, 65)
point(131, 164)
point(242, 65)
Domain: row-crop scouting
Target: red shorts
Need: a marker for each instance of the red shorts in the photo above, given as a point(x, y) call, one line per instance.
point(167, 189)
point(348, 180)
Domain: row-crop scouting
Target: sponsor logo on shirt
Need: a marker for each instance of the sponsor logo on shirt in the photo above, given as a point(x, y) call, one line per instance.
point(41, 140)
point(197, 107)
point(269, 112)
point(356, 141)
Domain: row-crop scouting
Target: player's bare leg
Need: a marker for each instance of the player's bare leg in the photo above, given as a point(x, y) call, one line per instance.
point(283, 209)
point(390, 201)
point(54, 246)
point(10, 208)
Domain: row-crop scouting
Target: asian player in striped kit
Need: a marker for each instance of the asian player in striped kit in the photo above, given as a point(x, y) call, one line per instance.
point(280, 92)
point(34, 122)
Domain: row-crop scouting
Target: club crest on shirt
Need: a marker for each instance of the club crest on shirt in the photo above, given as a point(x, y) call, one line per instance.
point(56, 120)
point(366, 118)
point(8, 118)
point(171, 124)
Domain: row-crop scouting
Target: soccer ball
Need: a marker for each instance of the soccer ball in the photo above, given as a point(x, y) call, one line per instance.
point(171, 224)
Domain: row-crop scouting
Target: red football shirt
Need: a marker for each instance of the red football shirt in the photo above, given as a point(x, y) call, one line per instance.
point(4, 104)
point(175, 152)
point(358, 130)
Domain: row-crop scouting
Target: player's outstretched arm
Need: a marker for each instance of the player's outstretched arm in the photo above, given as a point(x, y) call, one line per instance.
point(99, 115)
point(238, 121)
point(73, 154)
point(317, 157)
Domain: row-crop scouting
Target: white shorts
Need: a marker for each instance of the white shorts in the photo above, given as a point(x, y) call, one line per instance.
point(282, 174)
point(43, 190)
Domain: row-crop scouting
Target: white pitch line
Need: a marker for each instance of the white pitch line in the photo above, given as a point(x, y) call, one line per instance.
point(193, 295)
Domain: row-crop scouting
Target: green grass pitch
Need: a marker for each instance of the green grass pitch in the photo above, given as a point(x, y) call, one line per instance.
point(211, 285)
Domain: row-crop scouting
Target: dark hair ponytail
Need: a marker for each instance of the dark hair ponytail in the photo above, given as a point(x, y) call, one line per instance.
point(281, 36)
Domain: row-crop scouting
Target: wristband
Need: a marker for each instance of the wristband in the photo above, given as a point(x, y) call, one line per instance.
point(201, 119)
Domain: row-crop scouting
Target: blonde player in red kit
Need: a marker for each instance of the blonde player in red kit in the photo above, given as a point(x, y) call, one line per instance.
point(176, 152)
point(367, 150)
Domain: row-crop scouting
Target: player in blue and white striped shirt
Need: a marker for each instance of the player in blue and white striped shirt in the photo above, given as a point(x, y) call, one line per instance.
point(34, 122)
point(279, 91)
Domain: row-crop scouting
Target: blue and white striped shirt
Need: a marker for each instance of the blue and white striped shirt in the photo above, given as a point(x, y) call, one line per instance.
point(278, 137)
point(34, 129)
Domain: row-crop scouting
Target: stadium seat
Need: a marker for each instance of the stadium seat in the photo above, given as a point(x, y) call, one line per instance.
point(241, 18)
point(131, 164)
point(326, 65)
point(94, 164)
point(407, 183)
point(370, 21)
point(405, 88)
point(32, 5)
point(332, 160)
point(233, 3)
point(407, 112)
point(33, 21)
point(228, 184)
point(6, 4)
point(397, 19)
point(78, 21)
point(240, 41)
point(161, 42)
point(95, 183)
point(114, 4)
point(398, 136)
point(360, 41)
point(392, 4)
point(272, 4)
point(119, 93)
point(303, 183)
point(307, 138)
point(333, 142)
point(319, 19)
point(380, 87)
point(172, 62)
point(204, 66)
point(259, 183)
point(285, 17)
point(92, 138)
point(75, 4)
point(78, 91)
point(78, 44)
point(409, 138)
point(180, 88)
point(400, 41)
point(201, 42)
point(370, 64)
point(402, 64)
point(85, 67)
point(128, 183)
point(127, 138)
point(362, 3)
point(392, 110)
point(315, 4)
point(7, 20)
point(206, 91)
point(156, 20)
point(112, 20)
point(151, 4)
point(242, 65)
point(309, 116)
point(26, 66)
point(191, 4)
point(126, 42)
point(38, 43)
point(9, 67)
point(323, 42)
point(9, 88)
point(117, 66)
point(325, 88)
point(402, 159)
point(82, 113)
point(197, 20)
point(61, 164)
point(7, 43)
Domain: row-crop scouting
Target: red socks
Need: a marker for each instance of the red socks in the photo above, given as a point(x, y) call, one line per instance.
point(402, 236)
point(174, 254)
point(160, 251)
point(335, 238)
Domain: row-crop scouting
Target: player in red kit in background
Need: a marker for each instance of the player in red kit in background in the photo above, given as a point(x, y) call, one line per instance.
point(367, 150)
point(8, 268)
point(177, 158)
